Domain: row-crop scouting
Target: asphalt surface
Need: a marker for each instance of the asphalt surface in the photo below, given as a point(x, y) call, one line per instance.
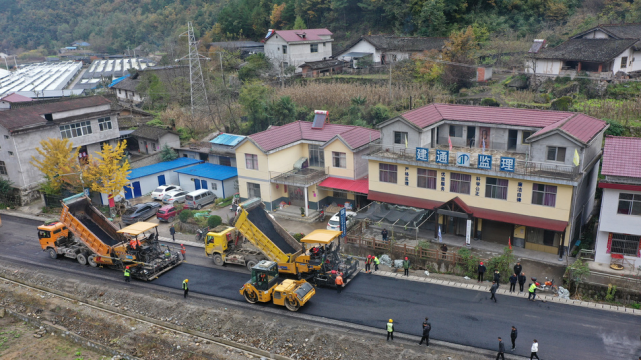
point(459, 316)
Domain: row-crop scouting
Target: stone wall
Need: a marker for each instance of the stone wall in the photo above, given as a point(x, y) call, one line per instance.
point(597, 292)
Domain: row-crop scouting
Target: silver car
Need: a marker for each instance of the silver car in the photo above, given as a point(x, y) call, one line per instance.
point(177, 196)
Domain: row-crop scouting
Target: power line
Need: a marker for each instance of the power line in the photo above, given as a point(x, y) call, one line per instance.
point(199, 103)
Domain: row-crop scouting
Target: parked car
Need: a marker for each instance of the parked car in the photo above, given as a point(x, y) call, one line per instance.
point(161, 191)
point(335, 222)
point(140, 212)
point(167, 213)
point(199, 198)
point(173, 196)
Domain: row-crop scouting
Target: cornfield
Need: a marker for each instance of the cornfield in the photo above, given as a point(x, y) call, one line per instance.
point(626, 112)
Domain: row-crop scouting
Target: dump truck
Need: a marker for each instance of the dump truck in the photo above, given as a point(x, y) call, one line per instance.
point(85, 234)
point(265, 285)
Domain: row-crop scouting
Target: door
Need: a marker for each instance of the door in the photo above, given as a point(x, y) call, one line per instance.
point(197, 184)
point(128, 193)
point(161, 181)
point(471, 134)
point(484, 138)
point(137, 191)
point(512, 135)
point(496, 231)
point(203, 184)
point(296, 195)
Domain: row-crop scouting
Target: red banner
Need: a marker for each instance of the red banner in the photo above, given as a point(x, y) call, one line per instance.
point(639, 249)
point(609, 243)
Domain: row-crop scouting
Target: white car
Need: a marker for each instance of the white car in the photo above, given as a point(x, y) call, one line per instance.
point(161, 191)
point(335, 222)
point(174, 196)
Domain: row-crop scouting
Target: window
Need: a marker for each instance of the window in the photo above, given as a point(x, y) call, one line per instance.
point(324, 44)
point(340, 194)
point(214, 186)
point(624, 62)
point(251, 161)
point(496, 188)
point(3, 168)
point(400, 137)
point(224, 160)
point(544, 195)
point(119, 91)
point(75, 130)
point(10, 153)
point(387, 173)
point(6, 136)
point(456, 131)
point(284, 49)
point(253, 190)
point(426, 179)
point(525, 135)
point(316, 156)
point(460, 183)
point(313, 48)
point(339, 159)
point(625, 244)
point(104, 124)
point(556, 153)
point(629, 204)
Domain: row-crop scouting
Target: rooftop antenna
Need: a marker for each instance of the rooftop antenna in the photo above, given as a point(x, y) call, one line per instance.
point(199, 101)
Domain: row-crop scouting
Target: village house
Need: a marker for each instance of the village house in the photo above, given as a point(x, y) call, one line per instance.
point(383, 49)
point(322, 68)
point(125, 89)
point(151, 139)
point(524, 175)
point(145, 179)
point(295, 47)
point(7, 101)
point(218, 151)
point(221, 180)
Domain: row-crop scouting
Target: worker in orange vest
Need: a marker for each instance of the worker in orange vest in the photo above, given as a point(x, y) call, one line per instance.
point(132, 244)
point(183, 251)
point(368, 264)
point(138, 242)
point(339, 282)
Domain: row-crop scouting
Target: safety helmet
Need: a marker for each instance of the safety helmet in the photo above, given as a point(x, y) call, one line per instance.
point(406, 258)
point(186, 280)
point(533, 279)
point(390, 320)
point(182, 245)
point(333, 272)
point(127, 267)
point(369, 256)
point(481, 263)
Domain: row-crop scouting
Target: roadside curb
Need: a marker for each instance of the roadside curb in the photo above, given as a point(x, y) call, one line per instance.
point(184, 242)
point(539, 297)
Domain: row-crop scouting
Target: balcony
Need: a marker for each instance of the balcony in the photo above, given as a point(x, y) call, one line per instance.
point(394, 153)
point(299, 177)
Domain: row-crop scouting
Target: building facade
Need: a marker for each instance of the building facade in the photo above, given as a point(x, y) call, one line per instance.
point(151, 139)
point(526, 175)
point(145, 179)
point(295, 47)
point(385, 49)
point(221, 180)
point(620, 220)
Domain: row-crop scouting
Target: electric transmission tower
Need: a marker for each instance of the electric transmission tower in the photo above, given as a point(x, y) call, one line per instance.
point(199, 103)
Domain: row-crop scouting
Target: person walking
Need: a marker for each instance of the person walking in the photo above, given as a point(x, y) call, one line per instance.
point(501, 353)
point(532, 290)
point(384, 234)
point(522, 280)
point(427, 327)
point(493, 290)
point(513, 336)
point(482, 269)
point(518, 268)
point(444, 251)
point(186, 287)
point(513, 280)
point(127, 274)
point(172, 231)
point(376, 263)
point(535, 349)
point(497, 278)
point(390, 330)
point(339, 283)
point(368, 264)
point(183, 251)
point(406, 267)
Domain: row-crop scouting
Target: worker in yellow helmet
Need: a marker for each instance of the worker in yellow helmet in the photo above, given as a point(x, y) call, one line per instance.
point(390, 330)
point(186, 287)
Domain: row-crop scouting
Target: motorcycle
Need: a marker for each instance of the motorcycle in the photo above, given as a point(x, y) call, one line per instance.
point(548, 285)
point(321, 216)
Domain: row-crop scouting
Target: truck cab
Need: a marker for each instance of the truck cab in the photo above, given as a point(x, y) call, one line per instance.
point(49, 233)
point(218, 240)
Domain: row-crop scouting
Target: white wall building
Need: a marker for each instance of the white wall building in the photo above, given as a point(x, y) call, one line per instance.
point(147, 178)
point(152, 139)
point(295, 47)
point(221, 180)
point(388, 48)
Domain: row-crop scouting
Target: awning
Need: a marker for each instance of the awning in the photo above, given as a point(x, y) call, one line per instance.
point(137, 228)
point(360, 186)
point(403, 200)
point(630, 187)
point(321, 236)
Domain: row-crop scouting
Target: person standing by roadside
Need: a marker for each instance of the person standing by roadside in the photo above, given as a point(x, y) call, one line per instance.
point(493, 290)
point(513, 336)
point(406, 267)
point(368, 264)
point(518, 268)
point(390, 330)
point(522, 280)
point(127, 274)
point(186, 287)
point(339, 283)
point(444, 251)
point(513, 280)
point(535, 349)
point(427, 327)
point(384, 234)
point(376, 263)
point(183, 251)
point(501, 353)
point(172, 231)
point(532, 290)
point(497, 278)
point(482, 269)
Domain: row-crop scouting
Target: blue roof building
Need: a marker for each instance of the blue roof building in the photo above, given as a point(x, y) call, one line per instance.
point(221, 180)
point(147, 178)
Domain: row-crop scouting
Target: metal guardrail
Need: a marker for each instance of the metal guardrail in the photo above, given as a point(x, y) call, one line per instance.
point(302, 177)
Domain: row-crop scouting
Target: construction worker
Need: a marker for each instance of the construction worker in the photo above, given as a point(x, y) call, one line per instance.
point(138, 242)
point(532, 290)
point(186, 287)
point(390, 330)
point(167, 254)
point(339, 283)
point(127, 274)
point(406, 267)
point(132, 244)
point(376, 263)
point(368, 264)
point(183, 251)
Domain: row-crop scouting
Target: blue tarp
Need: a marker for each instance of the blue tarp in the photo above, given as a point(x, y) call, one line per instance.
point(162, 166)
point(227, 139)
point(210, 171)
point(118, 80)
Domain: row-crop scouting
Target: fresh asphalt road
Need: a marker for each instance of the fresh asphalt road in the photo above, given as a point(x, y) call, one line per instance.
point(459, 316)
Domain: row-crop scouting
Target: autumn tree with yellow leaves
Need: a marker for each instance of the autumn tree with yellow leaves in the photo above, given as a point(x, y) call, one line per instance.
point(107, 172)
point(59, 164)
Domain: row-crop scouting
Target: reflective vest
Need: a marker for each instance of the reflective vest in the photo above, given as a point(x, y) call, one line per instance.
point(390, 327)
point(167, 253)
point(376, 261)
point(532, 287)
point(185, 287)
point(132, 243)
point(368, 261)
point(127, 273)
point(339, 280)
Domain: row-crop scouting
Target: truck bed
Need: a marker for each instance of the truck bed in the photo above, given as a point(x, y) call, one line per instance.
point(258, 217)
point(96, 230)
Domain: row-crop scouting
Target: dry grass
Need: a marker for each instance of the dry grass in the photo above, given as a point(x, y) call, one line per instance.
point(626, 112)
point(524, 97)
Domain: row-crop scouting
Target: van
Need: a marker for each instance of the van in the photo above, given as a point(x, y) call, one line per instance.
point(197, 199)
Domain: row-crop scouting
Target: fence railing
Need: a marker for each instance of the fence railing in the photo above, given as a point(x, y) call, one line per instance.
point(629, 282)
point(302, 177)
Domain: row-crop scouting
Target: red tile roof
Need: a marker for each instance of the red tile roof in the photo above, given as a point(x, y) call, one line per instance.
point(358, 186)
point(310, 34)
point(621, 156)
point(579, 126)
point(16, 98)
point(278, 136)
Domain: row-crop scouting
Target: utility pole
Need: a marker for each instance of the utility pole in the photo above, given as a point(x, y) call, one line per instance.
point(390, 82)
point(282, 86)
point(199, 103)
point(220, 56)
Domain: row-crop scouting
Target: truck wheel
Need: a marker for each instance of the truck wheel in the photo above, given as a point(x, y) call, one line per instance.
point(170, 219)
point(292, 305)
point(92, 260)
point(82, 259)
point(251, 264)
point(199, 207)
point(52, 253)
point(218, 260)
point(250, 296)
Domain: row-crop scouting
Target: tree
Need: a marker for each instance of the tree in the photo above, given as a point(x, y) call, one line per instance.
point(107, 173)
point(254, 98)
point(577, 272)
point(283, 111)
point(299, 24)
point(432, 19)
point(460, 48)
point(59, 163)
point(277, 14)
point(168, 154)
point(379, 113)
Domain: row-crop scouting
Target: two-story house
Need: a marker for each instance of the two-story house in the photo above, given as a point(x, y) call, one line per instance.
point(295, 47)
point(288, 163)
point(620, 221)
point(88, 122)
point(491, 173)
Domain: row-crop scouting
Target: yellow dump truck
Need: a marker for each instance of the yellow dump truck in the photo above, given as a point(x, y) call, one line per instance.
point(85, 234)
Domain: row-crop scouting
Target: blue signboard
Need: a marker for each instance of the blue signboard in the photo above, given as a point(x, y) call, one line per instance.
point(485, 162)
point(442, 157)
point(508, 164)
point(422, 154)
point(343, 216)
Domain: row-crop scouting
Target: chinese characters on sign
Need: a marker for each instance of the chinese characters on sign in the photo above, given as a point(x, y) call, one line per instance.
point(343, 221)
point(422, 154)
point(507, 164)
point(442, 181)
point(462, 159)
point(407, 176)
point(519, 191)
point(485, 162)
point(442, 157)
point(477, 189)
